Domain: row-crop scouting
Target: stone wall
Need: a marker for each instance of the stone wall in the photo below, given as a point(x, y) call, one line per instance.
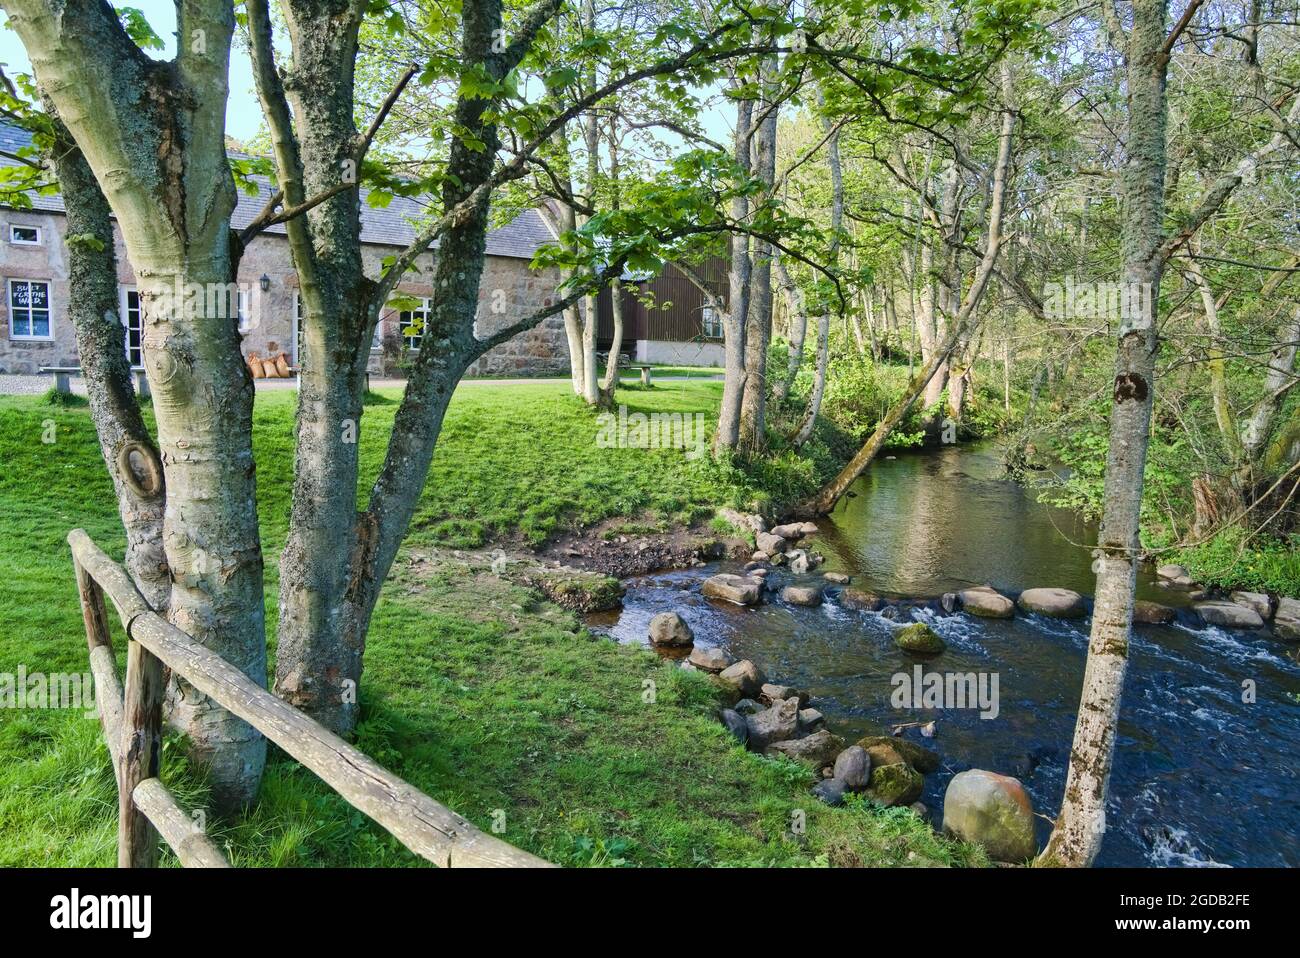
point(510, 290)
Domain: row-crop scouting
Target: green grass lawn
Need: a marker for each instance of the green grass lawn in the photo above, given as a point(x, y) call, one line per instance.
point(488, 698)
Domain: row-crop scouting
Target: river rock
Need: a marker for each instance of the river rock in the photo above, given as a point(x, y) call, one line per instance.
point(896, 784)
point(816, 750)
point(732, 588)
point(987, 602)
point(774, 724)
point(830, 790)
point(1257, 601)
point(924, 760)
point(860, 600)
point(760, 573)
point(1152, 613)
point(1057, 603)
point(802, 595)
point(752, 567)
point(1286, 621)
point(746, 677)
point(790, 531)
point(993, 810)
point(769, 542)
point(810, 720)
point(771, 691)
point(743, 521)
point(798, 561)
point(853, 768)
point(1228, 615)
point(836, 578)
point(736, 725)
point(808, 528)
point(1171, 572)
point(748, 706)
point(710, 660)
point(919, 639)
point(669, 628)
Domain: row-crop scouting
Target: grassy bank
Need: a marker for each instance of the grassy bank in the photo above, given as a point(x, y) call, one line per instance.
point(475, 690)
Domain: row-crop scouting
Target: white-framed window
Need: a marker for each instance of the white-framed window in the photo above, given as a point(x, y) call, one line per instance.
point(710, 322)
point(20, 234)
point(410, 323)
point(246, 322)
point(29, 309)
point(133, 321)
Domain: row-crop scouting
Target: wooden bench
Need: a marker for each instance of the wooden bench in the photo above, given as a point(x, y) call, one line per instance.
point(63, 378)
point(645, 373)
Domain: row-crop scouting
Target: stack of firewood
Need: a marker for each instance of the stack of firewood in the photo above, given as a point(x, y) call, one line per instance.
point(272, 367)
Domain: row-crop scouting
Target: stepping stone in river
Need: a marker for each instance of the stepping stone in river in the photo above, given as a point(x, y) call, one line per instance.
point(988, 603)
point(1152, 613)
point(1057, 603)
point(1228, 615)
point(802, 595)
point(732, 588)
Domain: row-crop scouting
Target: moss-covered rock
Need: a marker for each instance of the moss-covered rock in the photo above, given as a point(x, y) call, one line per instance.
point(897, 784)
point(919, 639)
point(922, 759)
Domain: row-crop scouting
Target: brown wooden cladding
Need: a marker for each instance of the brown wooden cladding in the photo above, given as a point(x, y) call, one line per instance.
point(675, 304)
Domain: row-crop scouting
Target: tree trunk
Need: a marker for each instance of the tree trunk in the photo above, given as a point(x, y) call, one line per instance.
point(758, 324)
point(153, 134)
point(128, 449)
point(727, 437)
point(1077, 836)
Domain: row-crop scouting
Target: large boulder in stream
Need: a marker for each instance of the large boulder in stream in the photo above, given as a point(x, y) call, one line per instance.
point(1286, 621)
point(993, 810)
point(919, 639)
point(710, 660)
point(1254, 600)
point(1152, 613)
point(1228, 615)
point(1057, 603)
point(769, 542)
point(987, 602)
point(802, 595)
point(669, 628)
point(860, 600)
point(739, 589)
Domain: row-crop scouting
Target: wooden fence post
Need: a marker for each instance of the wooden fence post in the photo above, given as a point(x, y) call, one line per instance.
point(137, 842)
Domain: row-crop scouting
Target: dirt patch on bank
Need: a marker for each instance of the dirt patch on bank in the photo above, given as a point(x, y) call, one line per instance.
point(608, 549)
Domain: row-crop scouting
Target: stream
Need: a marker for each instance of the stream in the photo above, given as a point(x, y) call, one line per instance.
point(1200, 777)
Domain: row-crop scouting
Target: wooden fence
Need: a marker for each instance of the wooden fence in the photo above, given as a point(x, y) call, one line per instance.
point(132, 723)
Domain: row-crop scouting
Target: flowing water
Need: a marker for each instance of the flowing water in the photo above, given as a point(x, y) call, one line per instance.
point(1200, 777)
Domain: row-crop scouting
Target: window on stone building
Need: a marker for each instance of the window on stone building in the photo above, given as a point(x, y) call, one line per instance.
point(29, 309)
point(24, 235)
point(410, 323)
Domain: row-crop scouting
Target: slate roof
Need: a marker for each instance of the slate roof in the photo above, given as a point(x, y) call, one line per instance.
point(387, 226)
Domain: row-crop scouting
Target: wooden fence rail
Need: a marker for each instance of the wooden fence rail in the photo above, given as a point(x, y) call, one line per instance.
point(132, 723)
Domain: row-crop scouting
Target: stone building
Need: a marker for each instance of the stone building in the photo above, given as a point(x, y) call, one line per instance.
point(34, 270)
